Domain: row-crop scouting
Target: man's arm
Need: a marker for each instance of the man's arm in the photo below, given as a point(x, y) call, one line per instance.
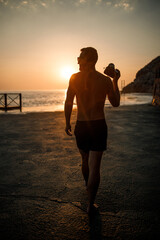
point(114, 94)
point(68, 106)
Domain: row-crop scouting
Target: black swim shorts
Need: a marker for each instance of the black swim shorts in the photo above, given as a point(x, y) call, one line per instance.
point(91, 135)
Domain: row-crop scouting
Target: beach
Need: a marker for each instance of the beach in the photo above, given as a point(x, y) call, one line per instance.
point(42, 192)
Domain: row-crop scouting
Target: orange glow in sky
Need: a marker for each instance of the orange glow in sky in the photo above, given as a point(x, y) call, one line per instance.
point(41, 40)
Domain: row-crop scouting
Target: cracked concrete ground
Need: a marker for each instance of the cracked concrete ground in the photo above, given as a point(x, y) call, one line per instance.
point(42, 193)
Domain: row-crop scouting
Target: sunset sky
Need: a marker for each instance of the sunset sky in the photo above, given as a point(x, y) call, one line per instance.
point(41, 39)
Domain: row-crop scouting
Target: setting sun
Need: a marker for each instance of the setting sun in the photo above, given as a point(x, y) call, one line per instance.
point(67, 71)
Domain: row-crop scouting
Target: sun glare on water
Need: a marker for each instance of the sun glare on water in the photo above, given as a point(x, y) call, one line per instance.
point(66, 72)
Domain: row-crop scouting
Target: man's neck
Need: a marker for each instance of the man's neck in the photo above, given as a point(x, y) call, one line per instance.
point(86, 68)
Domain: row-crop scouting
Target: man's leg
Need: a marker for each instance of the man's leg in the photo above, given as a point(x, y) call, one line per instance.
point(85, 168)
point(94, 177)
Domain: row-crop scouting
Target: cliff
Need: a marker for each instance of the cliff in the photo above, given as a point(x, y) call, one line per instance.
point(143, 83)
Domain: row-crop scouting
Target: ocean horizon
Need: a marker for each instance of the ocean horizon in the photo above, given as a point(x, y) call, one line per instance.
point(53, 100)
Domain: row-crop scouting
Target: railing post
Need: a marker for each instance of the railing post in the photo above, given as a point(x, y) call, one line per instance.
point(5, 102)
point(20, 101)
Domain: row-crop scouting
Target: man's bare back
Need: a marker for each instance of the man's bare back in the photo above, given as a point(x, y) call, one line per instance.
point(90, 89)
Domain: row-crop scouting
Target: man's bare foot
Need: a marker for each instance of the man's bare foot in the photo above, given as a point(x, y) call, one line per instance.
point(92, 209)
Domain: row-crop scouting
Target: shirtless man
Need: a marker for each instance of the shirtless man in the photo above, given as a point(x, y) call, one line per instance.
point(90, 88)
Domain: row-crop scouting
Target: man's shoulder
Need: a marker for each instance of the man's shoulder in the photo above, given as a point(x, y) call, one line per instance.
point(75, 76)
point(102, 76)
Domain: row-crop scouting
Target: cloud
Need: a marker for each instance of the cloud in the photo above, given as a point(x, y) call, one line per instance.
point(4, 2)
point(50, 7)
point(82, 1)
point(43, 4)
point(109, 3)
point(124, 4)
point(25, 2)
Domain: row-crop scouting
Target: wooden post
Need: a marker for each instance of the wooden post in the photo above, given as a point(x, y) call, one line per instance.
point(5, 102)
point(20, 101)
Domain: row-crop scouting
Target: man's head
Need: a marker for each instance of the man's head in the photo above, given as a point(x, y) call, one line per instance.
point(88, 57)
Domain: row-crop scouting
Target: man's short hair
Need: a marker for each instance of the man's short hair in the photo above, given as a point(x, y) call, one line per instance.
point(91, 54)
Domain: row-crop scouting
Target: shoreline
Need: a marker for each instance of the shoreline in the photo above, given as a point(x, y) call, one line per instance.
point(126, 100)
point(107, 106)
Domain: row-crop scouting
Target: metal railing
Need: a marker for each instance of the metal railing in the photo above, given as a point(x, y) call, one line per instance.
point(10, 101)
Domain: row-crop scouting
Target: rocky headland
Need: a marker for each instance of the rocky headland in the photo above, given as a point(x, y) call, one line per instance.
point(143, 83)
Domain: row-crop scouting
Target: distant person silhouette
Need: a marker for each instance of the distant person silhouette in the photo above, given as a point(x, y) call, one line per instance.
point(90, 88)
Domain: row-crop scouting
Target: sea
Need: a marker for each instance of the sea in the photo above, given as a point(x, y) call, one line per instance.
point(53, 100)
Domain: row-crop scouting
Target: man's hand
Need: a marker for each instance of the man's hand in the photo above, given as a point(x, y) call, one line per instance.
point(114, 95)
point(68, 130)
point(117, 75)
